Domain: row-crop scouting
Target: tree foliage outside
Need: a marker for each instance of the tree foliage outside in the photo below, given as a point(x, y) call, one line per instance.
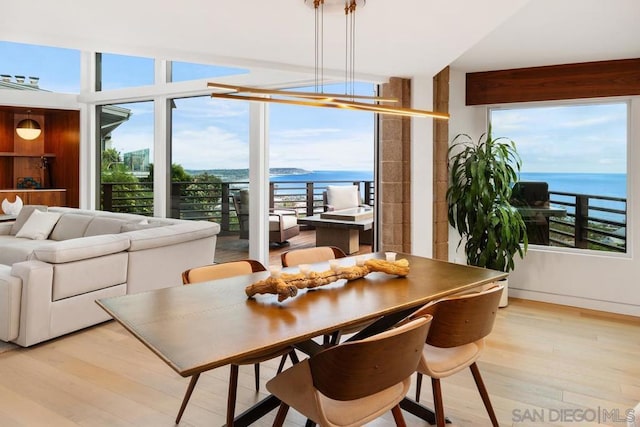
point(125, 194)
point(199, 195)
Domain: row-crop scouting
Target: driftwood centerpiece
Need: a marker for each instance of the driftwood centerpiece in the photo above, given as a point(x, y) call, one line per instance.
point(286, 285)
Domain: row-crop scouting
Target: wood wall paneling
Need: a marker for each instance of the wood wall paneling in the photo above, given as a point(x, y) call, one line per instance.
point(63, 139)
point(28, 167)
point(440, 167)
point(6, 145)
point(556, 82)
point(60, 137)
point(35, 197)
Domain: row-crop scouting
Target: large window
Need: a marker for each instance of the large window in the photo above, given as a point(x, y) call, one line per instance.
point(210, 168)
point(126, 150)
point(580, 153)
point(31, 67)
point(121, 71)
point(320, 147)
point(181, 71)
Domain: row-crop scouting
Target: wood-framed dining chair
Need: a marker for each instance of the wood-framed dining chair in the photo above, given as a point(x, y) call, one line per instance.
point(223, 271)
point(295, 257)
point(353, 383)
point(456, 340)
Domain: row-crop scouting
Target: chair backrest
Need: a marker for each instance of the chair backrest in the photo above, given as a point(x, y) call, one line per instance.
point(530, 193)
point(361, 368)
point(338, 197)
point(241, 202)
point(460, 320)
point(221, 271)
point(310, 255)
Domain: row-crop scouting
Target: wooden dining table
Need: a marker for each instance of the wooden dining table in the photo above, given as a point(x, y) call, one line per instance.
point(203, 326)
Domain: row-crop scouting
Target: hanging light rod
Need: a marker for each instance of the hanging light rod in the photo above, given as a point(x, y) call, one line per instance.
point(344, 104)
point(290, 93)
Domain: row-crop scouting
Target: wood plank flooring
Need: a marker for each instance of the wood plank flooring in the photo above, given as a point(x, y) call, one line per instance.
point(543, 365)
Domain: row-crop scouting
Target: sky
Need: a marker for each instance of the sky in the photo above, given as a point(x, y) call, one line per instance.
point(583, 138)
point(213, 134)
point(210, 133)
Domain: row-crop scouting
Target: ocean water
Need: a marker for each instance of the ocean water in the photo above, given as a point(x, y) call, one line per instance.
point(325, 176)
point(597, 184)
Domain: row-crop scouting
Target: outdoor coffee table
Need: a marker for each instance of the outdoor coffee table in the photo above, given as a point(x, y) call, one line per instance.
point(340, 228)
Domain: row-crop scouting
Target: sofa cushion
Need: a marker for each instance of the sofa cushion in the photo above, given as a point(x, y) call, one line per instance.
point(104, 225)
point(14, 249)
point(77, 278)
point(78, 249)
point(71, 226)
point(342, 197)
point(10, 297)
point(186, 231)
point(39, 225)
point(24, 215)
point(288, 221)
point(139, 225)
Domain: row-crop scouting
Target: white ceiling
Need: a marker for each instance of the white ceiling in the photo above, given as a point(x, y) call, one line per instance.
point(395, 37)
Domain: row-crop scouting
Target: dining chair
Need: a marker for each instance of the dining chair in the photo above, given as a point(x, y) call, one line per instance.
point(296, 257)
point(223, 271)
point(455, 342)
point(353, 383)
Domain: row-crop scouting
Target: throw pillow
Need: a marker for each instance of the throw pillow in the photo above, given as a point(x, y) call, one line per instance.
point(342, 197)
point(24, 215)
point(39, 225)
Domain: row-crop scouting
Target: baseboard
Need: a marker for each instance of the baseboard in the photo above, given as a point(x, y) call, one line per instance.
point(592, 304)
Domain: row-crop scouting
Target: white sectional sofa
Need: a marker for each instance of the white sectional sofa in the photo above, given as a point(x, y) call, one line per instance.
point(48, 287)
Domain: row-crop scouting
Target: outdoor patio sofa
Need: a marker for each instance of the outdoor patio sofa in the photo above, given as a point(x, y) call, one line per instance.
point(48, 287)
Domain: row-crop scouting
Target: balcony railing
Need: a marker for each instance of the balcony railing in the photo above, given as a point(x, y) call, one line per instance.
point(592, 222)
point(212, 201)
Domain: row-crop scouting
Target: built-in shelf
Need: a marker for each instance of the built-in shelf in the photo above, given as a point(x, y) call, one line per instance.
point(12, 154)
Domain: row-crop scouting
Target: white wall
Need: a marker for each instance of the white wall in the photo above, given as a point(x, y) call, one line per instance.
point(579, 278)
point(422, 169)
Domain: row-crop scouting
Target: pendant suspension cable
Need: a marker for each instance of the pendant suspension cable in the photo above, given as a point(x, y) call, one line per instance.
point(321, 46)
point(319, 98)
point(353, 46)
point(346, 48)
point(315, 59)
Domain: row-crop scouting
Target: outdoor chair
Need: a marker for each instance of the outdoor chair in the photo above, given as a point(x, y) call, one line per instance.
point(339, 197)
point(223, 271)
point(283, 223)
point(356, 382)
point(455, 342)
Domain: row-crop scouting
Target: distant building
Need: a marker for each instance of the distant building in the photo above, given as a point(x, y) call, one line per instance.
point(137, 162)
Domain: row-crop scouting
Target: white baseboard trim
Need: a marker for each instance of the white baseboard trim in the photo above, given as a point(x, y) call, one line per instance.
point(608, 306)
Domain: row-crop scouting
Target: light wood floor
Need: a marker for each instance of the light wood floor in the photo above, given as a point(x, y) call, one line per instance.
point(540, 358)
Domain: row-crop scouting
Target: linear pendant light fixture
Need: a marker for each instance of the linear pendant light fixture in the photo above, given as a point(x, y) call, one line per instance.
point(347, 101)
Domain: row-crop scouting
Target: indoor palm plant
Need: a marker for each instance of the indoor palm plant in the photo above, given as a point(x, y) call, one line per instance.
point(482, 174)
